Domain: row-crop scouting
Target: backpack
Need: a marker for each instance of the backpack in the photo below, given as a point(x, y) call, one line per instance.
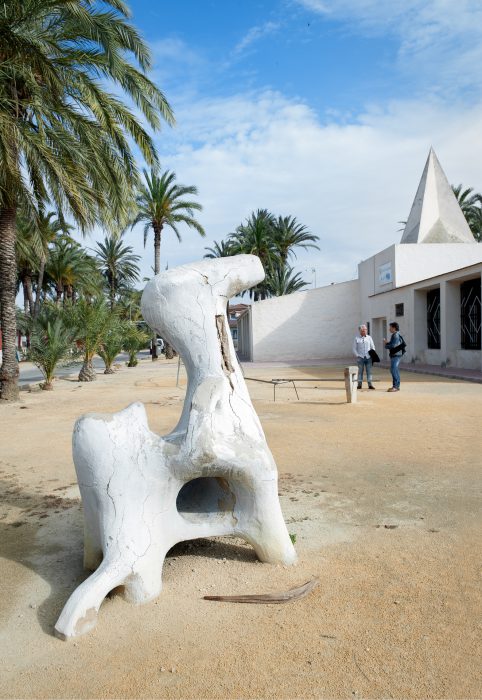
point(402, 347)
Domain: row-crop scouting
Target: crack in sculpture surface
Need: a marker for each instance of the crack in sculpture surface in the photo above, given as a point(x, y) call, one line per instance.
point(212, 475)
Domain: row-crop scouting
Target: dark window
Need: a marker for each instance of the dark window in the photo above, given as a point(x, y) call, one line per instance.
point(398, 309)
point(433, 319)
point(470, 316)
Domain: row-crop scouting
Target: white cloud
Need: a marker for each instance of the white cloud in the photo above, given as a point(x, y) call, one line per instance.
point(175, 50)
point(350, 183)
point(440, 41)
point(255, 34)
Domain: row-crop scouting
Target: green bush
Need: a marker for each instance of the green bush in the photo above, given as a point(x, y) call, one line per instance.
point(51, 343)
point(135, 339)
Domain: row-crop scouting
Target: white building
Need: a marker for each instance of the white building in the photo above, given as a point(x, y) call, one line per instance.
point(430, 283)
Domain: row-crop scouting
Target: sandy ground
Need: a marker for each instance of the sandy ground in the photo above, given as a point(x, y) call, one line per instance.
point(383, 497)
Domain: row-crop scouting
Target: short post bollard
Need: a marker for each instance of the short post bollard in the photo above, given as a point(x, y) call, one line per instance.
point(351, 374)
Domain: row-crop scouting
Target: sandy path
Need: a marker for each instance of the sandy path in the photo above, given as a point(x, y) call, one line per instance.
point(383, 496)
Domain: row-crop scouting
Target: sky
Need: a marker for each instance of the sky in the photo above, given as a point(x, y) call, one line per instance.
point(320, 109)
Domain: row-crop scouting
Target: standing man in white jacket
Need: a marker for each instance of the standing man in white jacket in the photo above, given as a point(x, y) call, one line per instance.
point(362, 345)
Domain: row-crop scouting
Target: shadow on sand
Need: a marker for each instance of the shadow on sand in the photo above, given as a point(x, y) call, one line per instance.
point(44, 533)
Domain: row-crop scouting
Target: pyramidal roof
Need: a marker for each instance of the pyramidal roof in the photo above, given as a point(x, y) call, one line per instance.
point(435, 216)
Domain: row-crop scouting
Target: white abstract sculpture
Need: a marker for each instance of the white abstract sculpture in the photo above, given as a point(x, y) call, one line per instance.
point(213, 475)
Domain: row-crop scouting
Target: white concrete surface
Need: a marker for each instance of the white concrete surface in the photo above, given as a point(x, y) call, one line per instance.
point(415, 263)
point(314, 324)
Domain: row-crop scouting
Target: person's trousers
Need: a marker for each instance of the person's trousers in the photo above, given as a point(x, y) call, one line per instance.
point(364, 363)
point(395, 372)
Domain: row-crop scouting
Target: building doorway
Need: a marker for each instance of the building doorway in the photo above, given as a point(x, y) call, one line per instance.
point(379, 330)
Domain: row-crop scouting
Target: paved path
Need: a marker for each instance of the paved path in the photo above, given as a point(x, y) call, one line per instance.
point(30, 374)
point(470, 375)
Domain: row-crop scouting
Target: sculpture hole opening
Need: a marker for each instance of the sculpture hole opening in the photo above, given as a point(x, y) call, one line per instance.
point(206, 498)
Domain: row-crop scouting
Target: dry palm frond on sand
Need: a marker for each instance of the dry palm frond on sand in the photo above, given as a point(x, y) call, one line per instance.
point(285, 597)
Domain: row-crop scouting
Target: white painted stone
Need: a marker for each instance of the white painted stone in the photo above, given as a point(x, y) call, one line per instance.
point(436, 216)
point(212, 475)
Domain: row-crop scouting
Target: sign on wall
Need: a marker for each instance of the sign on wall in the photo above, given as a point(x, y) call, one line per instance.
point(385, 273)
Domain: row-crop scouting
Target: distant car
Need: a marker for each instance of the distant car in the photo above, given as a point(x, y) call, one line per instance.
point(160, 344)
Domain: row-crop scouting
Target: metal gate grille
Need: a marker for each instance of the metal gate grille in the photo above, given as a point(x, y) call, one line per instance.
point(470, 315)
point(433, 319)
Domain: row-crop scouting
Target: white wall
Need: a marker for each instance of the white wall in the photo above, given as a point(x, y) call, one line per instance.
point(320, 323)
point(415, 262)
point(369, 272)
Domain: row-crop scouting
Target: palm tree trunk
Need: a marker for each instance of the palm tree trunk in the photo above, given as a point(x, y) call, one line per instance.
point(112, 295)
point(27, 295)
point(168, 349)
point(157, 269)
point(87, 371)
point(40, 281)
point(8, 273)
point(157, 248)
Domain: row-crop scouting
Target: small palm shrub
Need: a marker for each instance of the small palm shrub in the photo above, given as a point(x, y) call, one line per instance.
point(111, 346)
point(93, 320)
point(135, 339)
point(51, 343)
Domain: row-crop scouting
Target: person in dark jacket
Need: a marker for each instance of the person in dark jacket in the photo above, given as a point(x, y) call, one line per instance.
point(394, 347)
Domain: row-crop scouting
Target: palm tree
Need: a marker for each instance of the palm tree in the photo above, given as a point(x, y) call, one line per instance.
point(290, 234)
point(257, 237)
point(70, 267)
point(134, 340)
point(51, 340)
point(282, 281)
point(93, 321)
point(467, 198)
point(475, 223)
point(129, 305)
point(35, 232)
point(64, 139)
point(118, 265)
point(48, 228)
point(161, 203)
point(111, 346)
point(471, 204)
point(28, 250)
point(219, 250)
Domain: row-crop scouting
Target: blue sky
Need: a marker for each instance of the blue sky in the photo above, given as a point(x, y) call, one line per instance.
point(322, 109)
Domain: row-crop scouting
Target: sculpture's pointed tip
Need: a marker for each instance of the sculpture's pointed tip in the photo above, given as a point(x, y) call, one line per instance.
point(60, 635)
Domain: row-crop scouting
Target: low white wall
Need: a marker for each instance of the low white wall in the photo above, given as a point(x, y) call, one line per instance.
point(320, 323)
